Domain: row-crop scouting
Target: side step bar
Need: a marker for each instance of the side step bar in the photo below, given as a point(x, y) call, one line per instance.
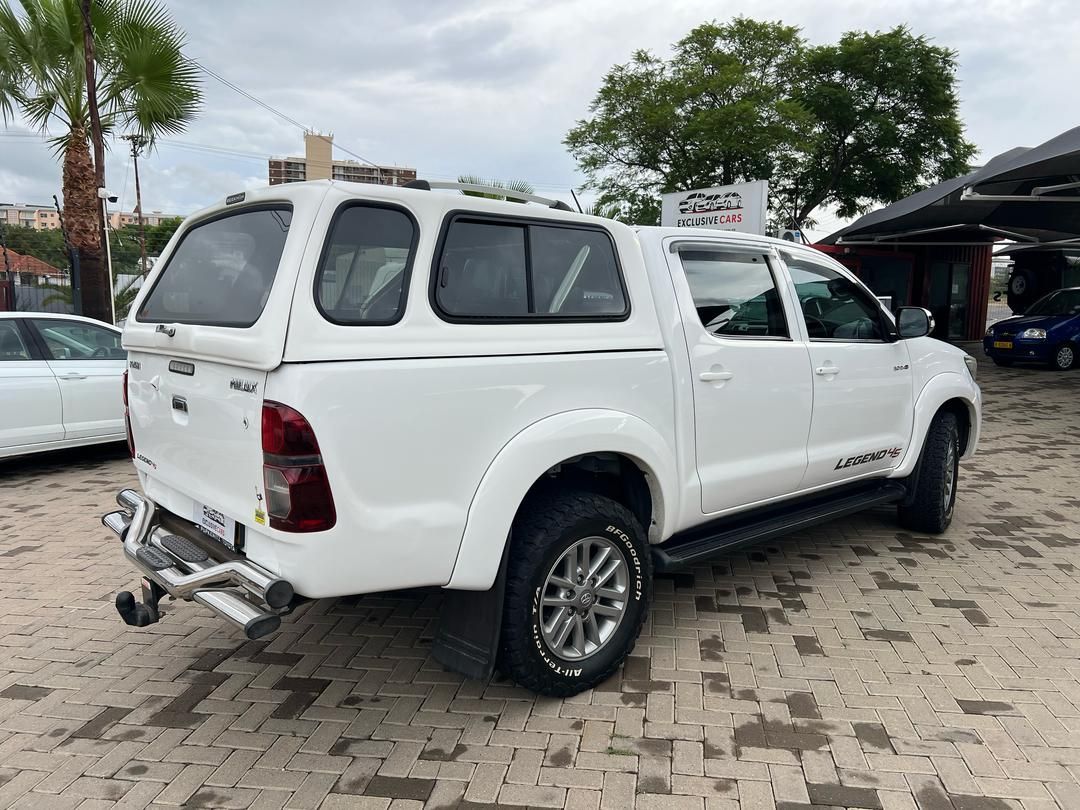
point(725, 534)
point(246, 594)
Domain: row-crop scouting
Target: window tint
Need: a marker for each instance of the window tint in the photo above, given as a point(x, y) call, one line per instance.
point(222, 271)
point(12, 346)
point(574, 272)
point(834, 307)
point(74, 340)
point(518, 270)
point(363, 275)
point(734, 294)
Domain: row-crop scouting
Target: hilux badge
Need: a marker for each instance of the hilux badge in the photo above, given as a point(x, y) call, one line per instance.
point(247, 386)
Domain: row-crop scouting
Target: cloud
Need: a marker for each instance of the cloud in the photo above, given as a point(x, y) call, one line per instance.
point(489, 88)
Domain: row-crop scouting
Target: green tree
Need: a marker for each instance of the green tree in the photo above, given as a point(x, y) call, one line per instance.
point(886, 122)
point(47, 245)
point(749, 100)
point(145, 86)
point(520, 186)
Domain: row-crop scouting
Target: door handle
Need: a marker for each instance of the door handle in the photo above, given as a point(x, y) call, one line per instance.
point(71, 376)
point(825, 371)
point(715, 376)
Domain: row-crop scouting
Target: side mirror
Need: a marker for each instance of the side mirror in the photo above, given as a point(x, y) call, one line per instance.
point(913, 322)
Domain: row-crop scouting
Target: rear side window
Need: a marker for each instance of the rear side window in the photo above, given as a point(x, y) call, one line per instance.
point(222, 271)
point(364, 270)
point(509, 270)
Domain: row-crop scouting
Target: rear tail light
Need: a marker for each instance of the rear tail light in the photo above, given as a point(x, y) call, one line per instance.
point(127, 419)
point(298, 497)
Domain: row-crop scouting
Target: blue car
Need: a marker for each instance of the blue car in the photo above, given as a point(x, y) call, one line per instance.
point(1049, 332)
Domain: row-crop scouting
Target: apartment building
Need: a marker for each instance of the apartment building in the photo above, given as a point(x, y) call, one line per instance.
point(45, 218)
point(38, 217)
point(318, 163)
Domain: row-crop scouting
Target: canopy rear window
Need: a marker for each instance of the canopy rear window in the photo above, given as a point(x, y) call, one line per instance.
point(222, 271)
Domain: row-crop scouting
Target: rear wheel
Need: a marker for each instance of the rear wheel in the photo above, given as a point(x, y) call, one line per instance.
point(1064, 357)
point(930, 508)
point(577, 590)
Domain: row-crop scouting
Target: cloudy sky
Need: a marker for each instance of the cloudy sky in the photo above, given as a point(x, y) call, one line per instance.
point(490, 88)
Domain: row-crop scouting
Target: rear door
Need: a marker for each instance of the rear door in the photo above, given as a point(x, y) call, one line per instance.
point(88, 362)
point(204, 332)
point(29, 392)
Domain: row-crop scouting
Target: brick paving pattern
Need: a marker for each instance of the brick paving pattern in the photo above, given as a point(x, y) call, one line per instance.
point(852, 666)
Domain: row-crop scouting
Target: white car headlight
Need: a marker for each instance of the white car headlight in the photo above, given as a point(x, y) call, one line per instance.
point(1034, 334)
point(972, 366)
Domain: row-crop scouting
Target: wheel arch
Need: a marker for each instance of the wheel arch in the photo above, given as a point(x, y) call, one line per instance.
point(952, 392)
point(573, 445)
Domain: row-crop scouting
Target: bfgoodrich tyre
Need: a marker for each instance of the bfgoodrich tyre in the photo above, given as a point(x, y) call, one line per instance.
point(929, 508)
point(578, 584)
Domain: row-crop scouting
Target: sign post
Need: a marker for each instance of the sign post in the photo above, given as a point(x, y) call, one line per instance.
point(740, 207)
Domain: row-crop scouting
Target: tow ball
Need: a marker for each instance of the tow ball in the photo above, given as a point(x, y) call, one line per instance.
point(146, 612)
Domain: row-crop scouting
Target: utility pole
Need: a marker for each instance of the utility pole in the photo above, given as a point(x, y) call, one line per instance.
point(95, 135)
point(138, 143)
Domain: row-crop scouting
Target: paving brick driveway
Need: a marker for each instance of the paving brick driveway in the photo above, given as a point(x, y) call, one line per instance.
point(851, 666)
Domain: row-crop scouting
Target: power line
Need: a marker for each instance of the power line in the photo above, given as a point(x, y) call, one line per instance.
point(278, 112)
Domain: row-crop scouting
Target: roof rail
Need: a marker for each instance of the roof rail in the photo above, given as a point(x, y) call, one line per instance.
point(510, 194)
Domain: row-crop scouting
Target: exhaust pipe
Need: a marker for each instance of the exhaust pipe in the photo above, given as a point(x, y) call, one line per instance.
point(254, 622)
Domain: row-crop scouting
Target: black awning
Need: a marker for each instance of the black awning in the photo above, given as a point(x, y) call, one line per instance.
point(1042, 170)
point(983, 206)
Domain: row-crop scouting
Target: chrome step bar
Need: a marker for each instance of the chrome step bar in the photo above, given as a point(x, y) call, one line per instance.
point(240, 591)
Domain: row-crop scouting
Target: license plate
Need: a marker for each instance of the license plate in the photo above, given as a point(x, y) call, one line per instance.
point(216, 524)
point(1002, 344)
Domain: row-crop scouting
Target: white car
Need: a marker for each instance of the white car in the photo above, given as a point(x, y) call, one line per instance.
point(60, 382)
point(338, 388)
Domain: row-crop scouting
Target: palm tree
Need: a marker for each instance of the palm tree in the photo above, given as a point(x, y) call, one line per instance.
point(520, 186)
point(145, 86)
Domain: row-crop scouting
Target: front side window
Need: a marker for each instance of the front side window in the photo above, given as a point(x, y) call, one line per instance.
point(75, 340)
point(734, 294)
point(834, 307)
point(222, 271)
point(12, 346)
point(363, 275)
point(523, 270)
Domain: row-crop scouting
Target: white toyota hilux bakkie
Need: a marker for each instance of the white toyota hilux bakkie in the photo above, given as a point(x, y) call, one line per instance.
point(337, 389)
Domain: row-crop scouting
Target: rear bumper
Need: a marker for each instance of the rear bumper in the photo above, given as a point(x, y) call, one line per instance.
point(246, 594)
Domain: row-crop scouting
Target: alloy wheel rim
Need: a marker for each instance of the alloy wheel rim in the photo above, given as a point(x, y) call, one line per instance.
point(950, 475)
point(1065, 357)
point(584, 598)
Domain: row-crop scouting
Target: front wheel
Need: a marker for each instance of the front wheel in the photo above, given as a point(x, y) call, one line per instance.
point(1064, 357)
point(578, 583)
point(929, 509)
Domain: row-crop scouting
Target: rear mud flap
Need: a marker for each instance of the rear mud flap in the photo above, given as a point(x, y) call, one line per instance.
point(470, 622)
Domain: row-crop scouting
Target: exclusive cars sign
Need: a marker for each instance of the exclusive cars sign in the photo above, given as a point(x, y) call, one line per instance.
point(740, 207)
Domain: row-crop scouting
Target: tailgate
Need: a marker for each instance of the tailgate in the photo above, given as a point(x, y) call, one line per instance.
point(197, 430)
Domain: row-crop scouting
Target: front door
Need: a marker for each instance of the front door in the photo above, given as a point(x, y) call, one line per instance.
point(88, 362)
point(862, 379)
point(750, 374)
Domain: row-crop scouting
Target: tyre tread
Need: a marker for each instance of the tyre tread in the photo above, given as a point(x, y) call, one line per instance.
point(545, 516)
point(926, 513)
